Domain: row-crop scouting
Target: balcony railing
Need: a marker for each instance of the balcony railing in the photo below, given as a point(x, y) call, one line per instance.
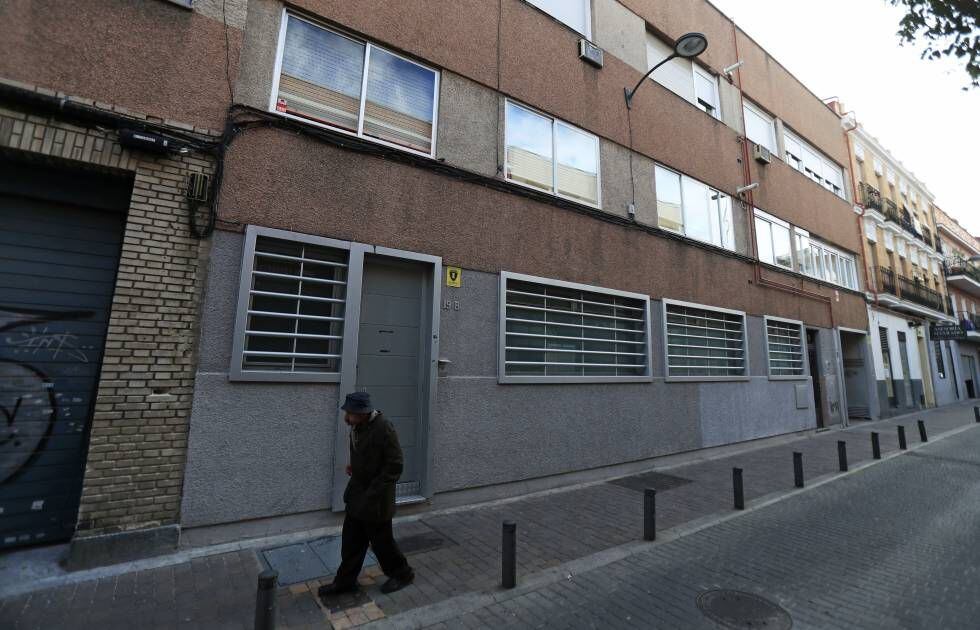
point(912, 290)
point(961, 268)
point(970, 321)
point(870, 197)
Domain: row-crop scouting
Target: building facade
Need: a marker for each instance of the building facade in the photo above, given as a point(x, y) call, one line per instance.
point(450, 207)
point(105, 164)
point(962, 269)
point(906, 287)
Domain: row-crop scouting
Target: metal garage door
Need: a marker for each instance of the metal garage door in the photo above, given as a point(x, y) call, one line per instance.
point(58, 266)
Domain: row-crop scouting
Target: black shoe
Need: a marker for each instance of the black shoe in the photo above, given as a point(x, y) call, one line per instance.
point(328, 590)
point(397, 583)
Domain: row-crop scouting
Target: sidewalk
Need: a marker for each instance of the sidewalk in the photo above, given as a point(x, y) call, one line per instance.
point(458, 552)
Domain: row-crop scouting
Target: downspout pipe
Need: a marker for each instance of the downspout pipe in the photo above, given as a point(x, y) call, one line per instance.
point(749, 199)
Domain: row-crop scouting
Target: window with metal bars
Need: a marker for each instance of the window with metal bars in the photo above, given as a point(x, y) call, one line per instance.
point(704, 342)
point(784, 343)
point(293, 319)
point(554, 331)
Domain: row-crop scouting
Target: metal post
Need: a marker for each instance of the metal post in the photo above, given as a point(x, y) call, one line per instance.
point(798, 469)
point(738, 489)
point(922, 431)
point(265, 601)
point(650, 514)
point(902, 444)
point(875, 446)
point(842, 455)
point(508, 569)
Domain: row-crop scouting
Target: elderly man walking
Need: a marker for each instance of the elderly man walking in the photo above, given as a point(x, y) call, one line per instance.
point(375, 466)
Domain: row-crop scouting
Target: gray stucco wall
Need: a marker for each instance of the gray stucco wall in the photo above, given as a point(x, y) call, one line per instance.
point(944, 387)
point(264, 449)
point(254, 449)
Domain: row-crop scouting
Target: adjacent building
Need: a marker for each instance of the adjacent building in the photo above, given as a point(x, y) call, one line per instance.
point(960, 359)
point(905, 283)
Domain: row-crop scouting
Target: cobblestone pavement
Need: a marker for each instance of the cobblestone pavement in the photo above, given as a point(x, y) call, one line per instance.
point(893, 546)
point(554, 528)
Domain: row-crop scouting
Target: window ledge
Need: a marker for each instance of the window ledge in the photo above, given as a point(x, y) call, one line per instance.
point(707, 379)
point(544, 380)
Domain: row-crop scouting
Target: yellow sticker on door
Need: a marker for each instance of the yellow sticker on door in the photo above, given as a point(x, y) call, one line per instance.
point(454, 277)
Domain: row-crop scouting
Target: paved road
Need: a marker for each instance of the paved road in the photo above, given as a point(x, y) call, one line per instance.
point(893, 546)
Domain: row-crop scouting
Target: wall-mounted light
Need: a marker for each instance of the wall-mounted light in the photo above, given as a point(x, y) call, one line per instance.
point(732, 68)
point(688, 45)
point(745, 189)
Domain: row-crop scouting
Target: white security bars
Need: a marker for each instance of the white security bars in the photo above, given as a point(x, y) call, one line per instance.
point(550, 155)
point(704, 343)
point(693, 209)
point(759, 127)
point(333, 80)
point(813, 164)
point(554, 331)
point(292, 321)
point(683, 77)
point(575, 14)
point(784, 343)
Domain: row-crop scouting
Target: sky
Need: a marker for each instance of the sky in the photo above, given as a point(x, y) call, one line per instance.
point(915, 108)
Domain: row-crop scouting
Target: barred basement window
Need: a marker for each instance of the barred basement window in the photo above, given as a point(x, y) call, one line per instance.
point(553, 331)
point(291, 308)
point(784, 342)
point(704, 342)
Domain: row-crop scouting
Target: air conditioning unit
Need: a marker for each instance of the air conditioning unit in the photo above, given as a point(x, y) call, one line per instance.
point(589, 53)
point(761, 154)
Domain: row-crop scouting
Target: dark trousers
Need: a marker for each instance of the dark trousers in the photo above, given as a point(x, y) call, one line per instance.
point(356, 538)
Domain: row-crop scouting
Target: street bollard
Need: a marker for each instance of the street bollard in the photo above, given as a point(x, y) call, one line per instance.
point(798, 469)
point(922, 431)
point(508, 568)
point(976, 413)
point(265, 601)
point(902, 444)
point(842, 455)
point(738, 489)
point(875, 446)
point(650, 514)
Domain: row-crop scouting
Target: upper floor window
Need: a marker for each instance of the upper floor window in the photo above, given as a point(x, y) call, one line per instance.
point(694, 209)
point(550, 155)
point(813, 164)
point(573, 13)
point(333, 80)
point(773, 239)
point(759, 127)
point(879, 168)
point(858, 152)
point(683, 77)
point(819, 260)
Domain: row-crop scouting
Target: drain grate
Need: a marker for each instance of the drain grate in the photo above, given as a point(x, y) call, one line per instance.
point(655, 480)
point(738, 609)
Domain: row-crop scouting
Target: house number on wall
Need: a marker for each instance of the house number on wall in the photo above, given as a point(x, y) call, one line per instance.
point(450, 305)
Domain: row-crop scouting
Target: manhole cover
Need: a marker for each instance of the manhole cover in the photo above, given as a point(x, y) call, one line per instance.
point(737, 609)
point(658, 481)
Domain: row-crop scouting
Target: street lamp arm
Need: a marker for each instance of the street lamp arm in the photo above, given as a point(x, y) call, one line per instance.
point(630, 93)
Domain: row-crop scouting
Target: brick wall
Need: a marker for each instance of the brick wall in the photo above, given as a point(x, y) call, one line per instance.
point(135, 465)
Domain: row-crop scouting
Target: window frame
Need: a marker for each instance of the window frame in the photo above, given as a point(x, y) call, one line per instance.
point(586, 6)
point(684, 209)
point(815, 172)
point(368, 45)
point(505, 379)
point(803, 350)
point(554, 157)
point(236, 371)
point(772, 220)
point(755, 109)
point(664, 303)
point(711, 78)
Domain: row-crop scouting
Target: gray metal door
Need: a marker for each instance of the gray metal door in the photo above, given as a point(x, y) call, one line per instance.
point(390, 361)
point(58, 267)
point(903, 351)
